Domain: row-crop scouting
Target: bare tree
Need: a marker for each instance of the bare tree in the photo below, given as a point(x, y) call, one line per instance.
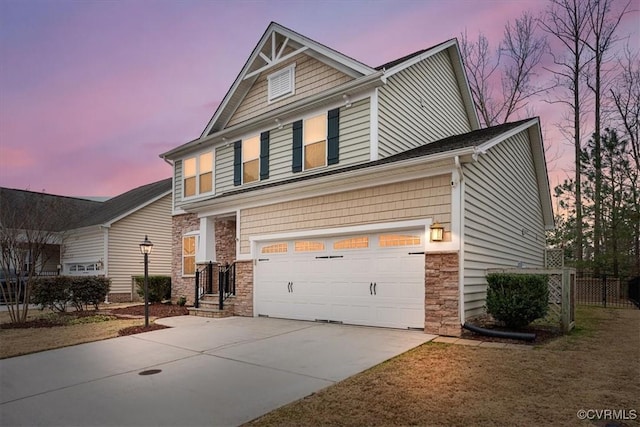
point(602, 23)
point(626, 99)
point(514, 65)
point(31, 231)
point(566, 20)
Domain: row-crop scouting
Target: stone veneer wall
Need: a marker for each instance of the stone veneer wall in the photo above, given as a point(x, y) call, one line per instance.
point(244, 289)
point(181, 286)
point(442, 295)
point(225, 240)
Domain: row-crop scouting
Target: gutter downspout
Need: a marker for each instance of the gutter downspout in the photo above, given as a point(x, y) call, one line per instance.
point(460, 184)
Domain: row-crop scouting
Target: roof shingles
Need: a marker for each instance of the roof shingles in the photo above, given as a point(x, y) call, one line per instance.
point(68, 213)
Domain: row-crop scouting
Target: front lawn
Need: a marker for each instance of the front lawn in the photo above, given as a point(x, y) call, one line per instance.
point(596, 367)
point(45, 330)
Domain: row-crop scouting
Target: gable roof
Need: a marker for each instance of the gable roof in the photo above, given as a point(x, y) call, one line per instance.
point(365, 77)
point(126, 203)
point(61, 211)
point(71, 212)
point(274, 40)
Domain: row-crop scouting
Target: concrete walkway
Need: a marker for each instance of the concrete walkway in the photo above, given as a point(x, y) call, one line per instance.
point(214, 372)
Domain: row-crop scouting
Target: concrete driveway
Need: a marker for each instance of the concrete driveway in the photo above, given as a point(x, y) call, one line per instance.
point(211, 372)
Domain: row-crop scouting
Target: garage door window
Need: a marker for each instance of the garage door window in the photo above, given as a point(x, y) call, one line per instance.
point(391, 240)
point(352, 243)
point(308, 246)
point(276, 248)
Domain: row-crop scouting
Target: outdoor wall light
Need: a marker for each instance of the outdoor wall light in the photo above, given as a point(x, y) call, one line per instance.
point(436, 232)
point(145, 249)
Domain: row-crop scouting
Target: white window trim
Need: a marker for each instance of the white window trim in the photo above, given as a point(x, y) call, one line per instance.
point(197, 175)
point(242, 157)
point(195, 234)
point(326, 140)
point(291, 70)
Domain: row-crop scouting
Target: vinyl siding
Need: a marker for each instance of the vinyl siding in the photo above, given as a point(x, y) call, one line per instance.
point(415, 199)
point(125, 235)
point(404, 123)
point(311, 77)
point(503, 223)
point(224, 168)
point(85, 245)
point(354, 148)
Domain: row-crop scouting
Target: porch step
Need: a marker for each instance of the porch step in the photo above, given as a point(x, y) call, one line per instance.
point(208, 307)
point(211, 301)
point(211, 312)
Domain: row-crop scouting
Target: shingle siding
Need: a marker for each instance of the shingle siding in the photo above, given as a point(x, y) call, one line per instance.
point(416, 199)
point(503, 222)
point(420, 104)
point(311, 77)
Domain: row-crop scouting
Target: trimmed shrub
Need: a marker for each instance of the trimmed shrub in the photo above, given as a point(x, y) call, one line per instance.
point(159, 287)
point(89, 290)
point(52, 292)
point(517, 299)
point(182, 301)
point(58, 292)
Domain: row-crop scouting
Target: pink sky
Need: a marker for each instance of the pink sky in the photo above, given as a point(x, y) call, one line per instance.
point(91, 92)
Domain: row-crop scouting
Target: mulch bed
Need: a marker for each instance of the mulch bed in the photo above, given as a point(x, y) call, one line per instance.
point(58, 319)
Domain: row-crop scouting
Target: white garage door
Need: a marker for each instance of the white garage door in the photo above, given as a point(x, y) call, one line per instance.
point(366, 279)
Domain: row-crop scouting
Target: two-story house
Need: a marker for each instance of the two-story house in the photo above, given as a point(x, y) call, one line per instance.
point(328, 182)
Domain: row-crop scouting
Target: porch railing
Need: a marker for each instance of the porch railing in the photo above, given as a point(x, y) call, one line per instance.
point(205, 282)
point(227, 283)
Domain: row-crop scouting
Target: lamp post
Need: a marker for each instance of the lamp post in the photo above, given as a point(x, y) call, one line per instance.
point(145, 249)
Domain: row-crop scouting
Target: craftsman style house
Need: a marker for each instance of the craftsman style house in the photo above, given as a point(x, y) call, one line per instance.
point(328, 183)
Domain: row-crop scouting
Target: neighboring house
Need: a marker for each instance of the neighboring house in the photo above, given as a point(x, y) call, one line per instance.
point(102, 238)
point(321, 177)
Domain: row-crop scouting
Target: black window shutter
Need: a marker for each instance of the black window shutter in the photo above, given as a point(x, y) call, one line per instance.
point(297, 146)
point(264, 155)
point(333, 140)
point(237, 163)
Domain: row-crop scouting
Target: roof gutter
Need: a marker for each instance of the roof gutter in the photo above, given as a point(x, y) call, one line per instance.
point(267, 119)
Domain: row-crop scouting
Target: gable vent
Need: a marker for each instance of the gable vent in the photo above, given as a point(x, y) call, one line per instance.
point(281, 83)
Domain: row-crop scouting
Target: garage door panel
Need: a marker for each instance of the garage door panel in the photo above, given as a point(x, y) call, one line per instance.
point(337, 284)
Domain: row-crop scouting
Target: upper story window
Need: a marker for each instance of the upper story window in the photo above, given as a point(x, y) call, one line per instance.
point(315, 142)
point(282, 83)
point(251, 159)
point(198, 174)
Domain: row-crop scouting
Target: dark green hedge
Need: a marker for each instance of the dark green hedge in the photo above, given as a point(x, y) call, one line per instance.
point(59, 292)
point(517, 299)
point(159, 287)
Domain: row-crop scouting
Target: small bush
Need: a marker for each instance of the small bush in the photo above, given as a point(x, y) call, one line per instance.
point(517, 299)
point(89, 290)
point(182, 301)
point(58, 292)
point(159, 287)
point(51, 292)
